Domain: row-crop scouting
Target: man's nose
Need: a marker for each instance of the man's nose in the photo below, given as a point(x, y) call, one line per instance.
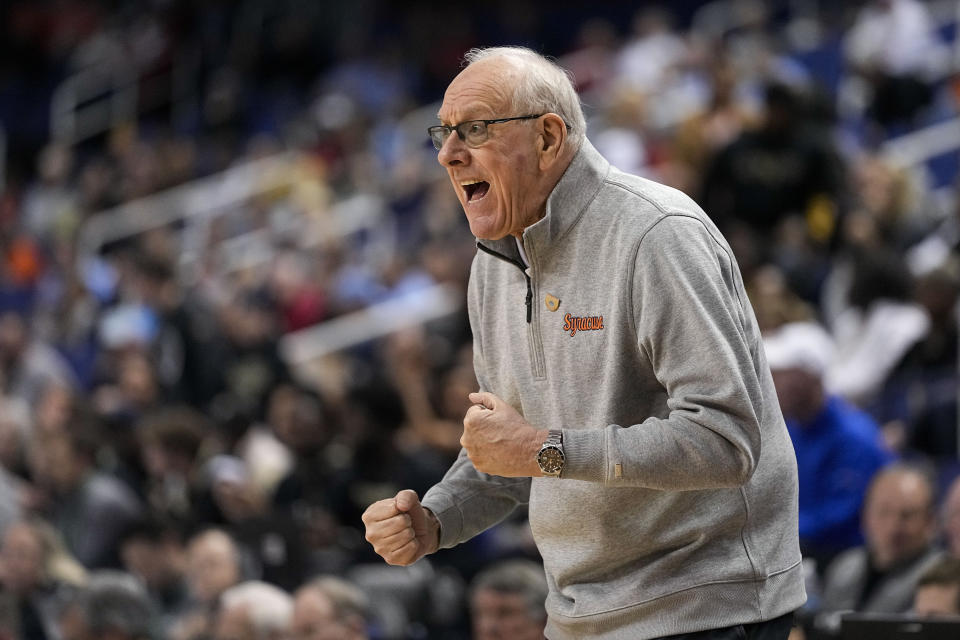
point(454, 151)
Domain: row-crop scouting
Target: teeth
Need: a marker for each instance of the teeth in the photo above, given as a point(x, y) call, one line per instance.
point(469, 182)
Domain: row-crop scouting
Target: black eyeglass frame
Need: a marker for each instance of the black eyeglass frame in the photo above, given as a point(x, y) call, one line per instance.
point(460, 128)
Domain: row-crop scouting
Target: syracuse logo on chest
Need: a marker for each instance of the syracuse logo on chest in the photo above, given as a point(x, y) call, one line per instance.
point(573, 324)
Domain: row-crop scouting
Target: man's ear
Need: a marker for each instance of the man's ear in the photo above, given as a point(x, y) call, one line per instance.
point(553, 135)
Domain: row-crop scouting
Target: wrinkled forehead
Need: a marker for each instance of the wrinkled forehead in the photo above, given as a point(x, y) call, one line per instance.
point(481, 91)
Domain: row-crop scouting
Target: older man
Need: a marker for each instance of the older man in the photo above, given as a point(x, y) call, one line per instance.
point(624, 390)
point(899, 527)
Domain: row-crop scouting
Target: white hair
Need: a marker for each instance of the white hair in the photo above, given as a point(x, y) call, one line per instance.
point(349, 602)
point(542, 86)
point(269, 608)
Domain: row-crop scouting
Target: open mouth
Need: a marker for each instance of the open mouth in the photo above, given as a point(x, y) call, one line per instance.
point(476, 190)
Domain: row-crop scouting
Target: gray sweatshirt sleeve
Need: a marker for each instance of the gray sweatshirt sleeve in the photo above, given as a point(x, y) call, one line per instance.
point(466, 501)
point(695, 327)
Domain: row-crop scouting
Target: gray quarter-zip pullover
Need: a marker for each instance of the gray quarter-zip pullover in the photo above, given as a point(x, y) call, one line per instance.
point(631, 331)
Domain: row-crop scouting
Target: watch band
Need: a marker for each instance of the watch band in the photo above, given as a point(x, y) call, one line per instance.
point(554, 438)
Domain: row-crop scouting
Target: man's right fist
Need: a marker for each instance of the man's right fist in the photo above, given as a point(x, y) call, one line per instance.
point(400, 529)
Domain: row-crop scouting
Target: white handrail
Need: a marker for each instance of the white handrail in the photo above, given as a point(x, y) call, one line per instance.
point(220, 191)
point(92, 101)
point(301, 347)
point(918, 146)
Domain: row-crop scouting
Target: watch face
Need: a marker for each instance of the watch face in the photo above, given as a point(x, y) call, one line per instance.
point(550, 460)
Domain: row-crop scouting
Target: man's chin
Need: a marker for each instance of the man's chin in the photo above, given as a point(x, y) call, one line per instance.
point(483, 230)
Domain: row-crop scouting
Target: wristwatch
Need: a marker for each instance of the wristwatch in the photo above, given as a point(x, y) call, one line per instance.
point(550, 457)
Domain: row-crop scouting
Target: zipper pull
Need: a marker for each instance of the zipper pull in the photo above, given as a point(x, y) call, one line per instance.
point(529, 301)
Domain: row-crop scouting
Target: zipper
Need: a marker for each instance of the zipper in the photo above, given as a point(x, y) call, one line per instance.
point(533, 328)
point(523, 270)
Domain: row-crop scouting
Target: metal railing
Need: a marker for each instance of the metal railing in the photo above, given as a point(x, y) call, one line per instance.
point(195, 203)
point(302, 347)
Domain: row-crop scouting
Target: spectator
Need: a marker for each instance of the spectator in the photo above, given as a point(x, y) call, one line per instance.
point(894, 47)
point(881, 576)
point(329, 608)
point(89, 507)
point(153, 552)
point(270, 537)
point(170, 441)
point(877, 327)
point(214, 564)
point(253, 610)
point(28, 365)
point(112, 606)
point(950, 518)
point(838, 447)
point(37, 576)
point(315, 491)
point(938, 591)
point(506, 602)
point(921, 389)
point(774, 172)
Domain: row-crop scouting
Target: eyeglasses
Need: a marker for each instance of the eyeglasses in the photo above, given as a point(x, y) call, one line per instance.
point(473, 132)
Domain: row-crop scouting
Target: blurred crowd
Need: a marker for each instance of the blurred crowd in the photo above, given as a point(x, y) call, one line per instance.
point(169, 470)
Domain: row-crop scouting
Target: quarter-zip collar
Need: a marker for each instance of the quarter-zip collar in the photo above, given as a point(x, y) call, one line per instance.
point(567, 202)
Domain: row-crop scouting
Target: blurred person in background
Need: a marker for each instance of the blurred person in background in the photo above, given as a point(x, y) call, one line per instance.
point(557, 225)
point(938, 591)
point(699, 137)
point(153, 551)
point(773, 176)
point(270, 537)
point(839, 447)
point(899, 528)
point(919, 397)
point(15, 428)
point(246, 360)
point(29, 365)
point(879, 323)
point(506, 601)
point(90, 507)
point(433, 415)
point(774, 302)
point(253, 610)
point(329, 608)
point(893, 45)
point(186, 330)
point(111, 606)
point(950, 519)
point(38, 576)
point(314, 492)
point(170, 440)
point(214, 564)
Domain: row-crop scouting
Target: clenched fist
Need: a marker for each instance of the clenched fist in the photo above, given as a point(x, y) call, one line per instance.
point(498, 440)
point(400, 529)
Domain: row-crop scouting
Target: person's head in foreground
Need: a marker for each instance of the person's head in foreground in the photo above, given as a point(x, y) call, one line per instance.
point(938, 591)
point(329, 608)
point(506, 602)
point(511, 122)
